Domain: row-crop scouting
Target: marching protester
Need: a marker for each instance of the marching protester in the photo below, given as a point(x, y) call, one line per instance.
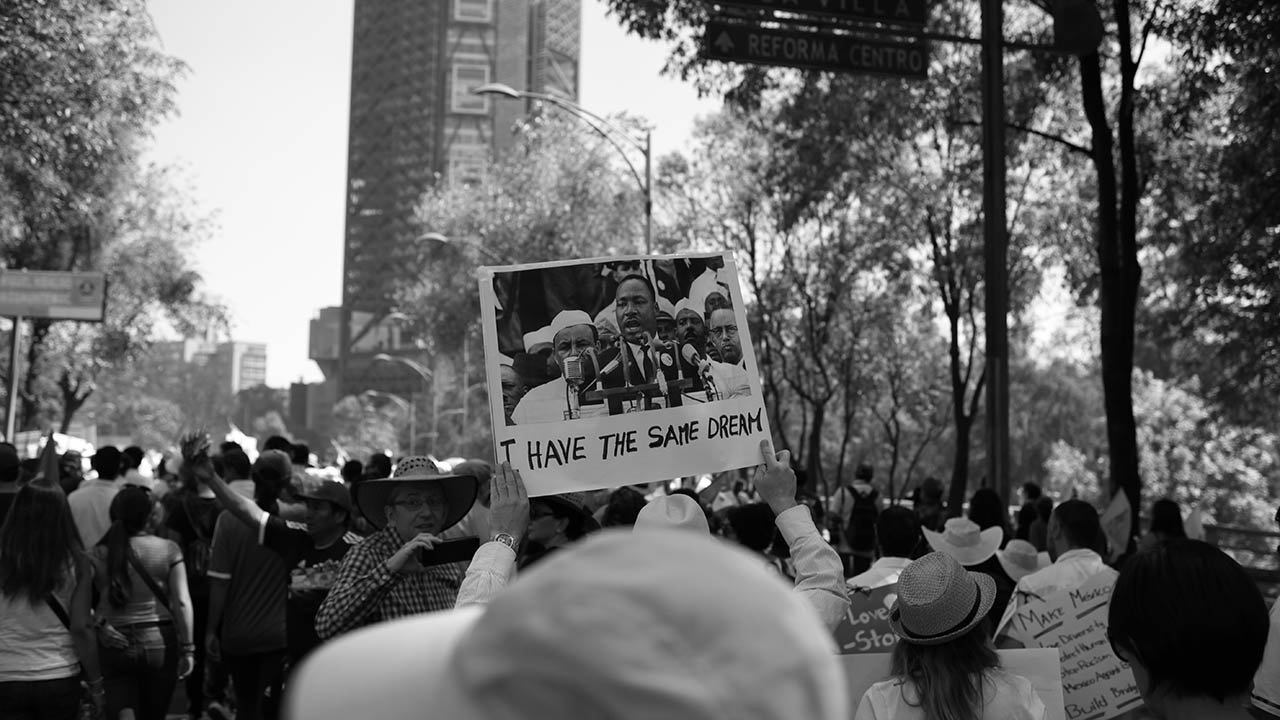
point(555, 521)
point(1166, 524)
point(944, 664)
point(975, 549)
point(46, 632)
point(144, 611)
point(1266, 682)
point(618, 630)
point(1074, 536)
point(1030, 493)
point(897, 536)
point(91, 503)
point(988, 511)
point(381, 578)
point(311, 551)
point(855, 508)
point(1192, 625)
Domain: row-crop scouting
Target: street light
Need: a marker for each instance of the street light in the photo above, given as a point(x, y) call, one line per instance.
point(445, 240)
point(604, 129)
point(426, 376)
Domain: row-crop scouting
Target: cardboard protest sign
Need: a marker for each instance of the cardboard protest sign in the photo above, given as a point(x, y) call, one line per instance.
point(1096, 684)
point(1040, 666)
point(865, 627)
point(610, 372)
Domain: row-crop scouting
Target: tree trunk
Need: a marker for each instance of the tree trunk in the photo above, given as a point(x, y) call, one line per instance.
point(1118, 268)
point(814, 461)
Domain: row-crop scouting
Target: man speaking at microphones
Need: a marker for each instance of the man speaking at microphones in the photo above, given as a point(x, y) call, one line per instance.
point(573, 334)
point(644, 358)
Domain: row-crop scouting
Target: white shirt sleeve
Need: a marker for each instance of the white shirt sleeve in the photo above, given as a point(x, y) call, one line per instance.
point(819, 572)
point(491, 569)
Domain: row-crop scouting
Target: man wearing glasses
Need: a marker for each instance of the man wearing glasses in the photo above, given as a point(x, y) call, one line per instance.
point(382, 578)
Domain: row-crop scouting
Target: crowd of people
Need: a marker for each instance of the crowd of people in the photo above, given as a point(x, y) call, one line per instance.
point(422, 588)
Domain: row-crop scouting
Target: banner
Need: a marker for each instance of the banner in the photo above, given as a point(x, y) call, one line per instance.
point(1039, 666)
point(1096, 684)
point(611, 372)
point(865, 627)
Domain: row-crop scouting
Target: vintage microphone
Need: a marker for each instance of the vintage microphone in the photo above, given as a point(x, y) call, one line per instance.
point(650, 351)
point(573, 381)
point(694, 358)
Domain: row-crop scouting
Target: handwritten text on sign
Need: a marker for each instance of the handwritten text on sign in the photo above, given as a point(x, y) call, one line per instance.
point(1095, 683)
point(865, 628)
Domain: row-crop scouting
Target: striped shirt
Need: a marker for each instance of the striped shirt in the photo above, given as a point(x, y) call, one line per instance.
point(367, 592)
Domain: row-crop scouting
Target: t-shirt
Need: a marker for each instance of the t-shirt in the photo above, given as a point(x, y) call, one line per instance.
point(1005, 697)
point(1266, 683)
point(312, 572)
point(253, 618)
point(192, 518)
point(156, 556)
point(36, 645)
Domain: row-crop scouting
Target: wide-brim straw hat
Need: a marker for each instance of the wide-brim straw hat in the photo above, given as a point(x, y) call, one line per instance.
point(459, 491)
point(962, 539)
point(938, 600)
point(1019, 559)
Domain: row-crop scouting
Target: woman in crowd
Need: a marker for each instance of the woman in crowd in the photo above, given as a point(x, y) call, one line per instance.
point(1203, 670)
point(1166, 524)
point(944, 666)
point(555, 521)
point(144, 603)
point(986, 509)
point(45, 628)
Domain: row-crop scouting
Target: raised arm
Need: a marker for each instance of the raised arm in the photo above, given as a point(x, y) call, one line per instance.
point(819, 572)
point(495, 563)
point(197, 465)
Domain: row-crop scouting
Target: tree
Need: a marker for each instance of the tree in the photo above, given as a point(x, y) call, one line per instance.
point(361, 429)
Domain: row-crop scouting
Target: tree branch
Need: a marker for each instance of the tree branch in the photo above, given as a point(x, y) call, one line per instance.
point(1076, 147)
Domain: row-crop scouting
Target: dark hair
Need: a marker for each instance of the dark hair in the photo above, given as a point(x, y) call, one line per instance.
point(106, 462)
point(753, 525)
point(948, 677)
point(1044, 507)
point(864, 472)
point(931, 490)
point(987, 511)
point(235, 465)
point(624, 505)
point(278, 442)
point(379, 466)
point(129, 512)
point(300, 453)
point(352, 472)
point(1079, 523)
point(653, 294)
point(226, 445)
point(578, 526)
point(37, 542)
point(1031, 490)
point(10, 465)
point(1219, 615)
point(1166, 519)
point(131, 458)
point(898, 531)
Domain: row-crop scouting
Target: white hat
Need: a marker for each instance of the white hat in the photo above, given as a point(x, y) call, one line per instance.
point(567, 319)
point(668, 511)
point(686, 304)
point(666, 308)
point(609, 627)
point(606, 317)
point(962, 539)
point(537, 337)
point(504, 360)
point(1019, 559)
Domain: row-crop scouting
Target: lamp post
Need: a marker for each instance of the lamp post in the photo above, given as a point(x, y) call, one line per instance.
point(605, 129)
point(426, 376)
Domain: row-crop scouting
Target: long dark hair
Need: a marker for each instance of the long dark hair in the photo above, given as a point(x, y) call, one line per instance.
point(1166, 519)
point(37, 542)
point(129, 512)
point(948, 677)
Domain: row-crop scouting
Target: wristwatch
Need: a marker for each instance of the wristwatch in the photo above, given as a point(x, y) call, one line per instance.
point(508, 540)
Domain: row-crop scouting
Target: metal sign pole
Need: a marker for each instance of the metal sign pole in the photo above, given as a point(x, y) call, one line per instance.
point(15, 362)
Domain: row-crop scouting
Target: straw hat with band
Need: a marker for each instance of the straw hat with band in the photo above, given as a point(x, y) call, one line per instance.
point(1019, 559)
point(939, 601)
point(459, 491)
point(962, 539)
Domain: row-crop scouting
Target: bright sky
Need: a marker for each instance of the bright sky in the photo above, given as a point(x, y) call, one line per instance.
point(262, 133)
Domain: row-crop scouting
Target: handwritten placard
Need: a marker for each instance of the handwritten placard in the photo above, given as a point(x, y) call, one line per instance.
point(865, 628)
point(1040, 666)
point(649, 370)
point(1095, 683)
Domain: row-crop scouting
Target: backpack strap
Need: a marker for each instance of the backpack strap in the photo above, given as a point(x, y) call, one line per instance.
point(155, 588)
point(56, 606)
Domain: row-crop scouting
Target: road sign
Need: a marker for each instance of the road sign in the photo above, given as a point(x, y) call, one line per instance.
point(53, 295)
point(900, 12)
point(815, 50)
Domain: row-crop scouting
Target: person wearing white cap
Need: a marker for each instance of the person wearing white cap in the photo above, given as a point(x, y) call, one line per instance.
point(609, 629)
point(944, 665)
point(572, 333)
point(975, 549)
point(606, 329)
point(1019, 559)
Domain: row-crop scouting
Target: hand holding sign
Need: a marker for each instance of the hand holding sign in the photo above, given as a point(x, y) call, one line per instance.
point(774, 479)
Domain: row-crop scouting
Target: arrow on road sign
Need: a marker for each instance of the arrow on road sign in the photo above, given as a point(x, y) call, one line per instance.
point(724, 43)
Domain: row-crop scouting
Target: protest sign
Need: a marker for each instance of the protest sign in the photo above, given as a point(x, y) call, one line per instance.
point(865, 627)
point(1040, 666)
point(1096, 684)
point(610, 372)
point(1116, 521)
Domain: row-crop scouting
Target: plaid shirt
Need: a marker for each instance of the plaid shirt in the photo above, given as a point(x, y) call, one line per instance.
point(367, 592)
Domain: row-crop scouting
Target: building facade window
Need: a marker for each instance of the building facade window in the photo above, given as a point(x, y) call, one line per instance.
point(469, 74)
point(473, 10)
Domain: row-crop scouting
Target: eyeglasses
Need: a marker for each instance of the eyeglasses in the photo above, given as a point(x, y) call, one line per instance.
point(725, 331)
point(416, 504)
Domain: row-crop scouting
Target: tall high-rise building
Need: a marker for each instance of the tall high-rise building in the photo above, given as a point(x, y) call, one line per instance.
point(415, 122)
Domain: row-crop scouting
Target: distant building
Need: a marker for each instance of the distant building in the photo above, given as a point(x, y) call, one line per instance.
point(414, 121)
point(236, 365)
